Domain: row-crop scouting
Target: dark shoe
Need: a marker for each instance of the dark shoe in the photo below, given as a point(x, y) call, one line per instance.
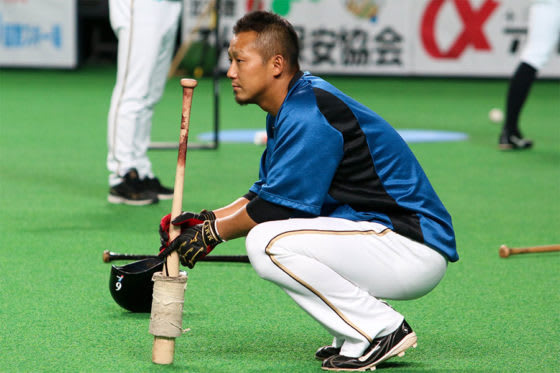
point(513, 141)
point(153, 185)
point(326, 352)
point(379, 350)
point(131, 191)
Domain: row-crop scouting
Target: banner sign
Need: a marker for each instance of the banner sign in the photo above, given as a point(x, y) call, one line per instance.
point(38, 33)
point(388, 37)
point(475, 38)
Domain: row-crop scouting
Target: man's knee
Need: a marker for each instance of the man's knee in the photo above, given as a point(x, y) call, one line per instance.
point(258, 242)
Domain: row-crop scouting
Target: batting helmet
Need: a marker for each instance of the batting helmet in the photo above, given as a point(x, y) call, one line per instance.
point(131, 285)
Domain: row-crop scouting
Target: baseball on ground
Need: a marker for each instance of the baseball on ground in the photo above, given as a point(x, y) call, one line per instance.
point(496, 115)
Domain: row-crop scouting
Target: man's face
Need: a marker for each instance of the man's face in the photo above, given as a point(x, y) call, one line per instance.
point(248, 72)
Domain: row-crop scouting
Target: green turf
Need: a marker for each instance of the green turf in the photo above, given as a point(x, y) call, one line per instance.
point(56, 314)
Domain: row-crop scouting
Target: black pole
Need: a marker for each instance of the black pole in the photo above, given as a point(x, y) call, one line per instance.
point(216, 76)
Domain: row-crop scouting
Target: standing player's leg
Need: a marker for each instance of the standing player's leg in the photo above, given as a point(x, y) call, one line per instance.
point(125, 183)
point(143, 29)
point(520, 84)
point(338, 271)
point(160, 22)
point(543, 33)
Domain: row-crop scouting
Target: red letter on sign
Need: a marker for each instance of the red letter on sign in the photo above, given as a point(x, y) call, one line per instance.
point(473, 21)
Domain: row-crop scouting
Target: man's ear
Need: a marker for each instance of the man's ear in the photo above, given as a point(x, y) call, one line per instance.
point(278, 65)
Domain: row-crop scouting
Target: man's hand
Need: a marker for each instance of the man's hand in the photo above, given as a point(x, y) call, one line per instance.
point(194, 243)
point(185, 220)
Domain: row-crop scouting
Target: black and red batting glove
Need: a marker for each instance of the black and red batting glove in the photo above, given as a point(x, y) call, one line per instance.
point(185, 220)
point(194, 243)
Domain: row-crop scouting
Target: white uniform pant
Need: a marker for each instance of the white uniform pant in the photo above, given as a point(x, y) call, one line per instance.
point(337, 270)
point(544, 30)
point(146, 31)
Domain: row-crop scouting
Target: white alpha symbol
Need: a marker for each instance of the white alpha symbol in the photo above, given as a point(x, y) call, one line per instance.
point(118, 284)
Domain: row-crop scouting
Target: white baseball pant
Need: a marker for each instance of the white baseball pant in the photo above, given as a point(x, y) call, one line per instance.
point(544, 31)
point(338, 270)
point(146, 31)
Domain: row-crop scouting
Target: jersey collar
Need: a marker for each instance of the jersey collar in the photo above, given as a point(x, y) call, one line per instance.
point(296, 77)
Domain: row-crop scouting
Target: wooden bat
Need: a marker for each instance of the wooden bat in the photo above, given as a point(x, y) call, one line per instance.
point(507, 251)
point(109, 256)
point(163, 348)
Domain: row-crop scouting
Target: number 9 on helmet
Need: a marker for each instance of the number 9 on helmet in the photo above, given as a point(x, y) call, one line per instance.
point(131, 285)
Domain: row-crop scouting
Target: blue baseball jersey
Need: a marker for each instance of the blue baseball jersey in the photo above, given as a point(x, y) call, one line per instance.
point(329, 155)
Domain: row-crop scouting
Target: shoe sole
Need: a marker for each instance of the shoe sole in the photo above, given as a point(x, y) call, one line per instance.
point(165, 196)
point(116, 200)
point(511, 147)
point(408, 341)
point(505, 147)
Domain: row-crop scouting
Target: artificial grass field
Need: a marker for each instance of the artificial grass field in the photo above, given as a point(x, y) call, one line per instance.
point(56, 314)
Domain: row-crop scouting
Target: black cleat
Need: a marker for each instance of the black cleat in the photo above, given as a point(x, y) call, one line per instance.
point(131, 191)
point(326, 352)
point(379, 350)
point(513, 141)
point(153, 185)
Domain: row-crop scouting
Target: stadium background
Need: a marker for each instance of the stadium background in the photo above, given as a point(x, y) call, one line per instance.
point(488, 315)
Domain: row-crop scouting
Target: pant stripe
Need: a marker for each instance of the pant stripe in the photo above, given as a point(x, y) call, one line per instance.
point(306, 285)
point(124, 82)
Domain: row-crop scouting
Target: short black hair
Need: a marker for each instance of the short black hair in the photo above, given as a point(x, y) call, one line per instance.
point(275, 35)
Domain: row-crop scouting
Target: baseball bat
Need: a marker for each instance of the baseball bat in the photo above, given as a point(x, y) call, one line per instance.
point(109, 256)
point(507, 251)
point(163, 348)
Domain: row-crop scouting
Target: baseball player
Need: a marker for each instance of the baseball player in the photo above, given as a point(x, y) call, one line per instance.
point(146, 31)
point(543, 34)
point(342, 216)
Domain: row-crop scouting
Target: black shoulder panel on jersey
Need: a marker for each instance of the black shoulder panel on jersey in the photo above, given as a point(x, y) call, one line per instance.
point(260, 211)
point(356, 182)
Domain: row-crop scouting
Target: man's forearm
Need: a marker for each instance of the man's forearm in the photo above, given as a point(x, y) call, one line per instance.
point(236, 225)
point(232, 208)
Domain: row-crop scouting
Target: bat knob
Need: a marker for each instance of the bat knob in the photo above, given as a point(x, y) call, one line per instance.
point(504, 251)
point(189, 83)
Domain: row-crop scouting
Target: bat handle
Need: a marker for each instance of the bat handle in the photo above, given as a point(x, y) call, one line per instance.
point(164, 348)
point(506, 251)
point(172, 263)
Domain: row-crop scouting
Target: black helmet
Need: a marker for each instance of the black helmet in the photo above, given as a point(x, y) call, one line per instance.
point(131, 285)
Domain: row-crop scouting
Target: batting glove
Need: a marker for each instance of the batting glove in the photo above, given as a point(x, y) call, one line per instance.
point(194, 243)
point(185, 220)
